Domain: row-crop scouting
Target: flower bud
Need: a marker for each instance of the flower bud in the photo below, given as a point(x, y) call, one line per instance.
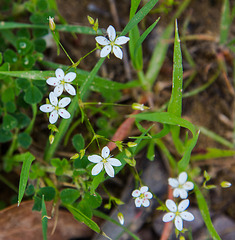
point(51, 23)
point(131, 144)
point(75, 156)
point(120, 218)
point(138, 106)
point(225, 184)
point(51, 138)
point(91, 20)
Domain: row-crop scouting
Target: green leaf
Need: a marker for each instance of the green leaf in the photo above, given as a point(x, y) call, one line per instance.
point(9, 122)
point(166, 118)
point(42, 5)
point(24, 140)
point(23, 32)
point(8, 95)
point(24, 175)
point(47, 192)
point(97, 180)
point(183, 163)
point(23, 46)
point(175, 103)
point(30, 190)
point(85, 208)
point(40, 45)
point(151, 151)
point(78, 215)
point(94, 200)
point(69, 195)
point(33, 95)
point(5, 135)
point(10, 56)
point(0, 58)
point(78, 142)
point(22, 119)
point(205, 213)
point(28, 61)
point(44, 219)
point(37, 206)
point(139, 16)
point(22, 83)
point(225, 22)
point(10, 107)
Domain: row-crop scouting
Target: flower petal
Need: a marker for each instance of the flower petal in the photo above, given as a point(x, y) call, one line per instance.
point(188, 186)
point(114, 162)
point(64, 102)
point(109, 169)
point(53, 117)
point(171, 205)
point(53, 99)
point(121, 40)
point(69, 77)
point(47, 108)
point(176, 192)
point(136, 193)
point(183, 194)
point(183, 205)
point(64, 113)
point(105, 51)
point(173, 182)
point(168, 217)
point(58, 90)
point(179, 223)
point(70, 89)
point(187, 216)
point(52, 81)
point(144, 189)
point(97, 168)
point(59, 74)
point(145, 202)
point(102, 41)
point(182, 178)
point(148, 195)
point(117, 52)
point(95, 158)
point(111, 33)
point(138, 202)
point(105, 152)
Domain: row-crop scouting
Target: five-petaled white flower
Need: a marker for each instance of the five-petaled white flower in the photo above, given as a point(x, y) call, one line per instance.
point(177, 213)
point(61, 82)
point(142, 196)
point(180, 185)
point(56, 108)
point(104, 161)
point(113, 44)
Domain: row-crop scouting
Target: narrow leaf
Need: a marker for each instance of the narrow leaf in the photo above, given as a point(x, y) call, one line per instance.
point(139, 16)
point(78, 215)
point(44, 219)
point(205, 213)
point(24, 175)
point(225, 22)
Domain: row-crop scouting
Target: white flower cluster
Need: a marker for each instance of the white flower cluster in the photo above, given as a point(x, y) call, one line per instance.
point(142, 196)
point(56, 107)
point(177, 213)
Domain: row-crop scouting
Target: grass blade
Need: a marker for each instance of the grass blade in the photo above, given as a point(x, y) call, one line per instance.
point(44, 219)
point(139, 16)
point(24, 175)
point(205, 213)
point(225, 22)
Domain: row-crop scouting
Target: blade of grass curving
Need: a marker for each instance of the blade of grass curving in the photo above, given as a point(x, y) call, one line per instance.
point(44, 219)
point(175, 103)
point(183, 163)
point(225, 22)
point(134, 34)
point(144, 35)
point(24, 175)
point(205, 213)
point(139, 16)
point(160, 49)
point(212, 153)
point(166, 118)
point(107, 218)
point(78, 215)
point(62, 28)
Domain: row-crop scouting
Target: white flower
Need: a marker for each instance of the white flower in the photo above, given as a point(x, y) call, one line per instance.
point(61, 82)
point(113, 44)
point(177, 213)
point(180, 185)
point(104, 161)
point(142, 196)
point(56, 108)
